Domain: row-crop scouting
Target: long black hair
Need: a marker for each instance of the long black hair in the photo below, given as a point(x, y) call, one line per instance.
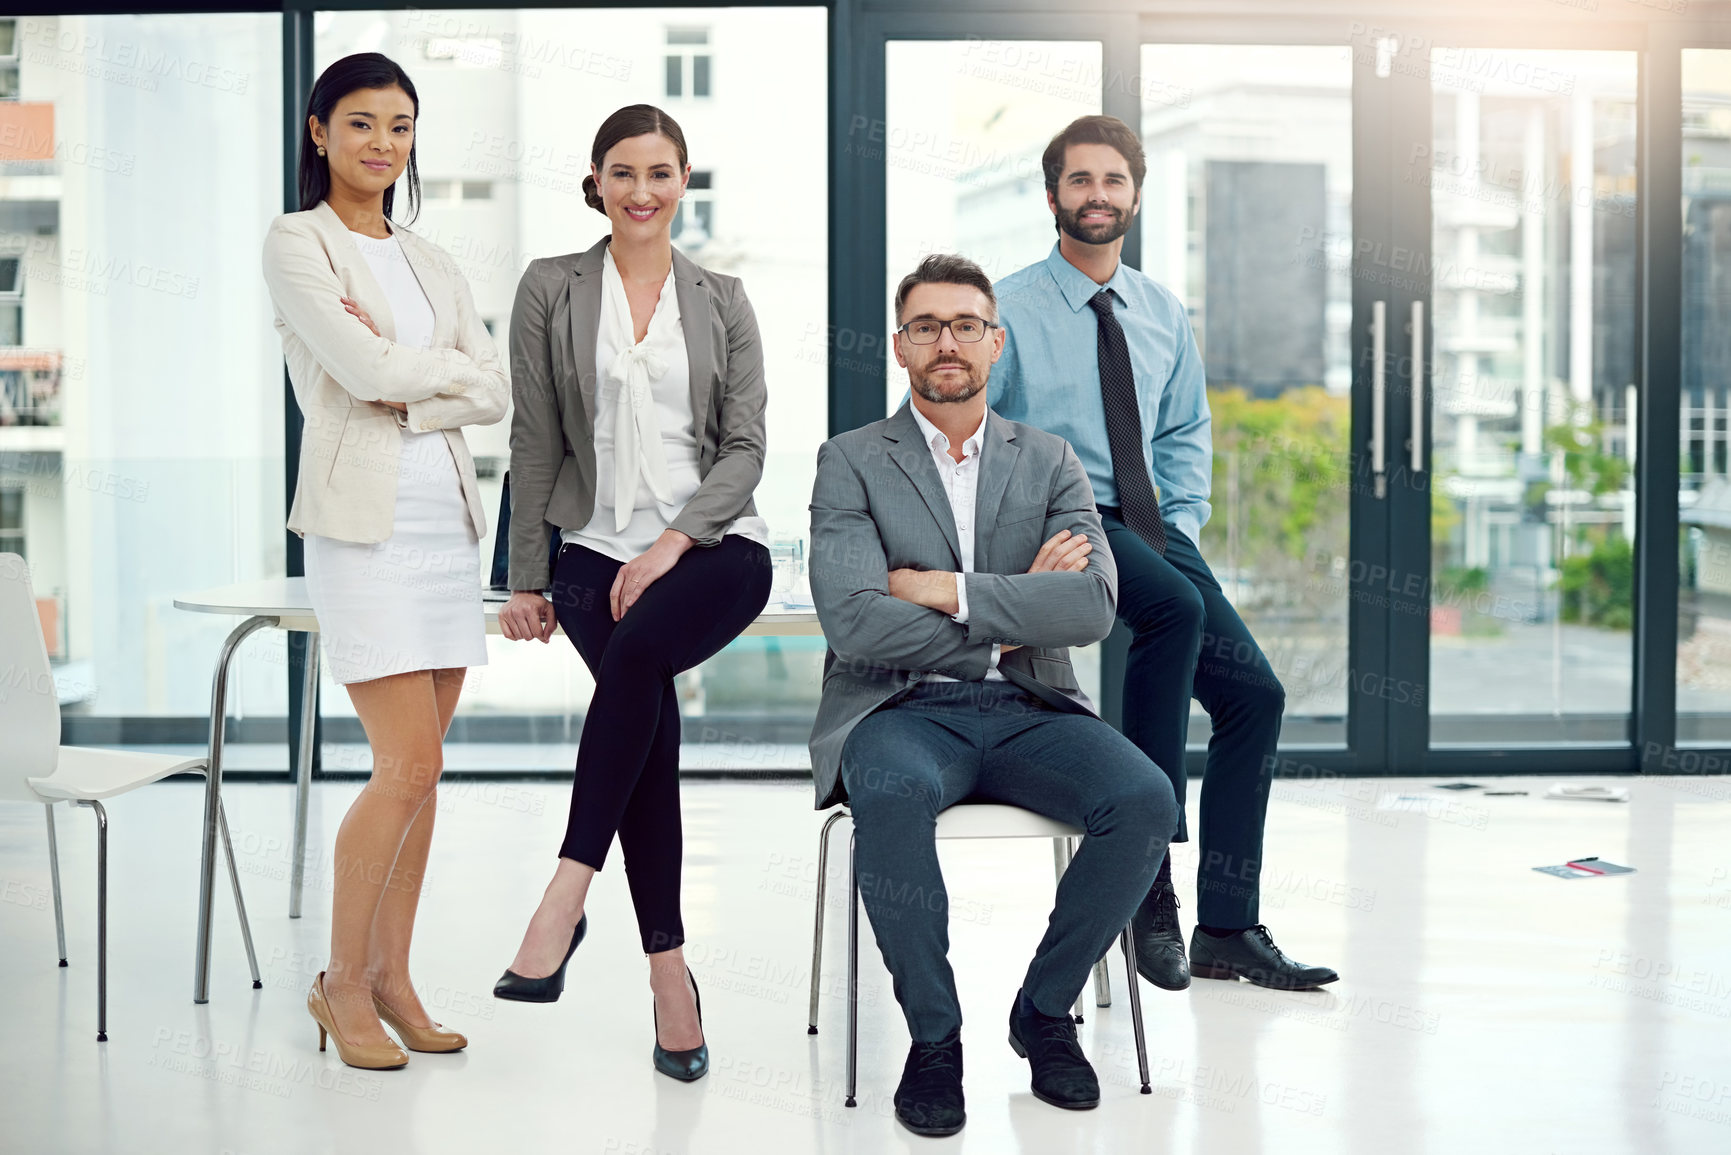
point(350, 74)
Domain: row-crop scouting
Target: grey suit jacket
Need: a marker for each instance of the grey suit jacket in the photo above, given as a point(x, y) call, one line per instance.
point(878, 504)
point(553, 331)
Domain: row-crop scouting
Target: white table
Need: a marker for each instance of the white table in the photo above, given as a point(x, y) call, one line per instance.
point(282, 603)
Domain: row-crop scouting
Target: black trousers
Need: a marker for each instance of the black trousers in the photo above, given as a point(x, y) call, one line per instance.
point(627, 776)
point(1188, 641)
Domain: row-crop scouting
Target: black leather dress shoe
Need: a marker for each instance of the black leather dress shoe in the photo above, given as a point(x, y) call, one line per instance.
point(514, 986)
point(929, 1098)
point(1251, 954)
point(1062, 1075)
point(1159, 940)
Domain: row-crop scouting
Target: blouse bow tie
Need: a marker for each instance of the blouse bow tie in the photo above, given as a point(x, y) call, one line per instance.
point(637, 448)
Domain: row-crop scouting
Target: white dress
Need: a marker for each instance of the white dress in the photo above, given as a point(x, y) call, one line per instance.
point(669, 404)
point(412, 601)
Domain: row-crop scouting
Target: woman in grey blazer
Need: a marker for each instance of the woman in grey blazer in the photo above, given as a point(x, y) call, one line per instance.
point(639, 434)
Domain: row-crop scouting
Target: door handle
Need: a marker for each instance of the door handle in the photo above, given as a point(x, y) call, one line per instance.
point(1418, 372)
point(1379, 396)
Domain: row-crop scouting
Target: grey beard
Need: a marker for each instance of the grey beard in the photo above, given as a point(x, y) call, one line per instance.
point(925, 389)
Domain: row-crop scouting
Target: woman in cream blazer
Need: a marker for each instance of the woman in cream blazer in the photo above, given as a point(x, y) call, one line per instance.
point(389, 361)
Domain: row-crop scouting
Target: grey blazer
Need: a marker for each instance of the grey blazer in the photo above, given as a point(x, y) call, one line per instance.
point(878, 504)
point(553, 331)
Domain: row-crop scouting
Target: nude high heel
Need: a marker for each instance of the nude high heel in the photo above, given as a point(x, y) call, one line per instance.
point(435, 1039)
point(384, 1056)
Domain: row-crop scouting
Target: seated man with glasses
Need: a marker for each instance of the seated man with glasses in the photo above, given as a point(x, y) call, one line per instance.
point(953, 562)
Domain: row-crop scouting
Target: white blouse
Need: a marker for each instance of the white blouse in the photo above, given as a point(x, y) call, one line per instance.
point(425, 461)
point(410, 308)
point(671, 411)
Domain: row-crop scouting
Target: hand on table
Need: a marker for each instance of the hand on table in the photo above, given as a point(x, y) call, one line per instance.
point(527, 615)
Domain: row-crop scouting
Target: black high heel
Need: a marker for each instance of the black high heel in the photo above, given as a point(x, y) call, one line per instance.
point(512, 985)
point(686, 1066)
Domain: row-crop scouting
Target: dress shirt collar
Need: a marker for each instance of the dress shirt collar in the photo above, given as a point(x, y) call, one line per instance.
point(940, 443)
point(1079, 288)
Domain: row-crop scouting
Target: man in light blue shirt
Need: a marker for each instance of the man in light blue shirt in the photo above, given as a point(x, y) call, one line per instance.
point(1103, 356)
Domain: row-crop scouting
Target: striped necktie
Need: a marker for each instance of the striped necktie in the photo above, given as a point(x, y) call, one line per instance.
point(1137, 502)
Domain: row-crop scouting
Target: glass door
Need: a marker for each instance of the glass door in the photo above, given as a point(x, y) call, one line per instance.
point(1506, 411)
point(1409, 268)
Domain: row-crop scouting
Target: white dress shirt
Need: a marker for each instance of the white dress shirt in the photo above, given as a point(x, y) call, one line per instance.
point(961, 481)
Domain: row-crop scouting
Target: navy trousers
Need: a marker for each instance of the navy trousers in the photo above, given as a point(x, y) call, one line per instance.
point(1188, 642)
point(992, 742)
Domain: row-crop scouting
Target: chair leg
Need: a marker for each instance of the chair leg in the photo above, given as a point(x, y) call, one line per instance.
point(817, 922)
point(1063, 849)
point(239, 902)
point(101, 917)
point(852, 969)
point(54, 877)
point(1135, 988)
point(1102, 983)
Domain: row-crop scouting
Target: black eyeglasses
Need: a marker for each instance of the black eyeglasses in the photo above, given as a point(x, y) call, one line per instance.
point(927, 330)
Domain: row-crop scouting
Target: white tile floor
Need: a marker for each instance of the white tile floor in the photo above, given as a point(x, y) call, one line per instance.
point(1483, 1007)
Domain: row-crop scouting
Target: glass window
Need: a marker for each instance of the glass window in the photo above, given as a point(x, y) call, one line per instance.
point(8, 60)
point(141, 426)
point(456, 191)
point(694, 222)
point(1704, 484)
point(524, 127)
point(688, 56)
point(965, 123)
point(12, 536)
point(1247, 217)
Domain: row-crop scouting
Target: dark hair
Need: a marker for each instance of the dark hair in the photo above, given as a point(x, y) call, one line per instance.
point(632, 120)
point(946, 269)
point(1107, 130)
point(351, 74)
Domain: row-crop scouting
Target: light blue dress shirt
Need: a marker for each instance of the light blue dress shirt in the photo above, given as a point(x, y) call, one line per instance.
point(1049, 377)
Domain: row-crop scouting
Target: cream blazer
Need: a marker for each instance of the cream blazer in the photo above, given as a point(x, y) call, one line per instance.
point(346, 487)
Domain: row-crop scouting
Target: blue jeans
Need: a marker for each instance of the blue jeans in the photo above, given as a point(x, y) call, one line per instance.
point(991, 742)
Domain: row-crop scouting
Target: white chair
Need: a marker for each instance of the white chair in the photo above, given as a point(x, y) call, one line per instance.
point(967, 820)
point(34, 767)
